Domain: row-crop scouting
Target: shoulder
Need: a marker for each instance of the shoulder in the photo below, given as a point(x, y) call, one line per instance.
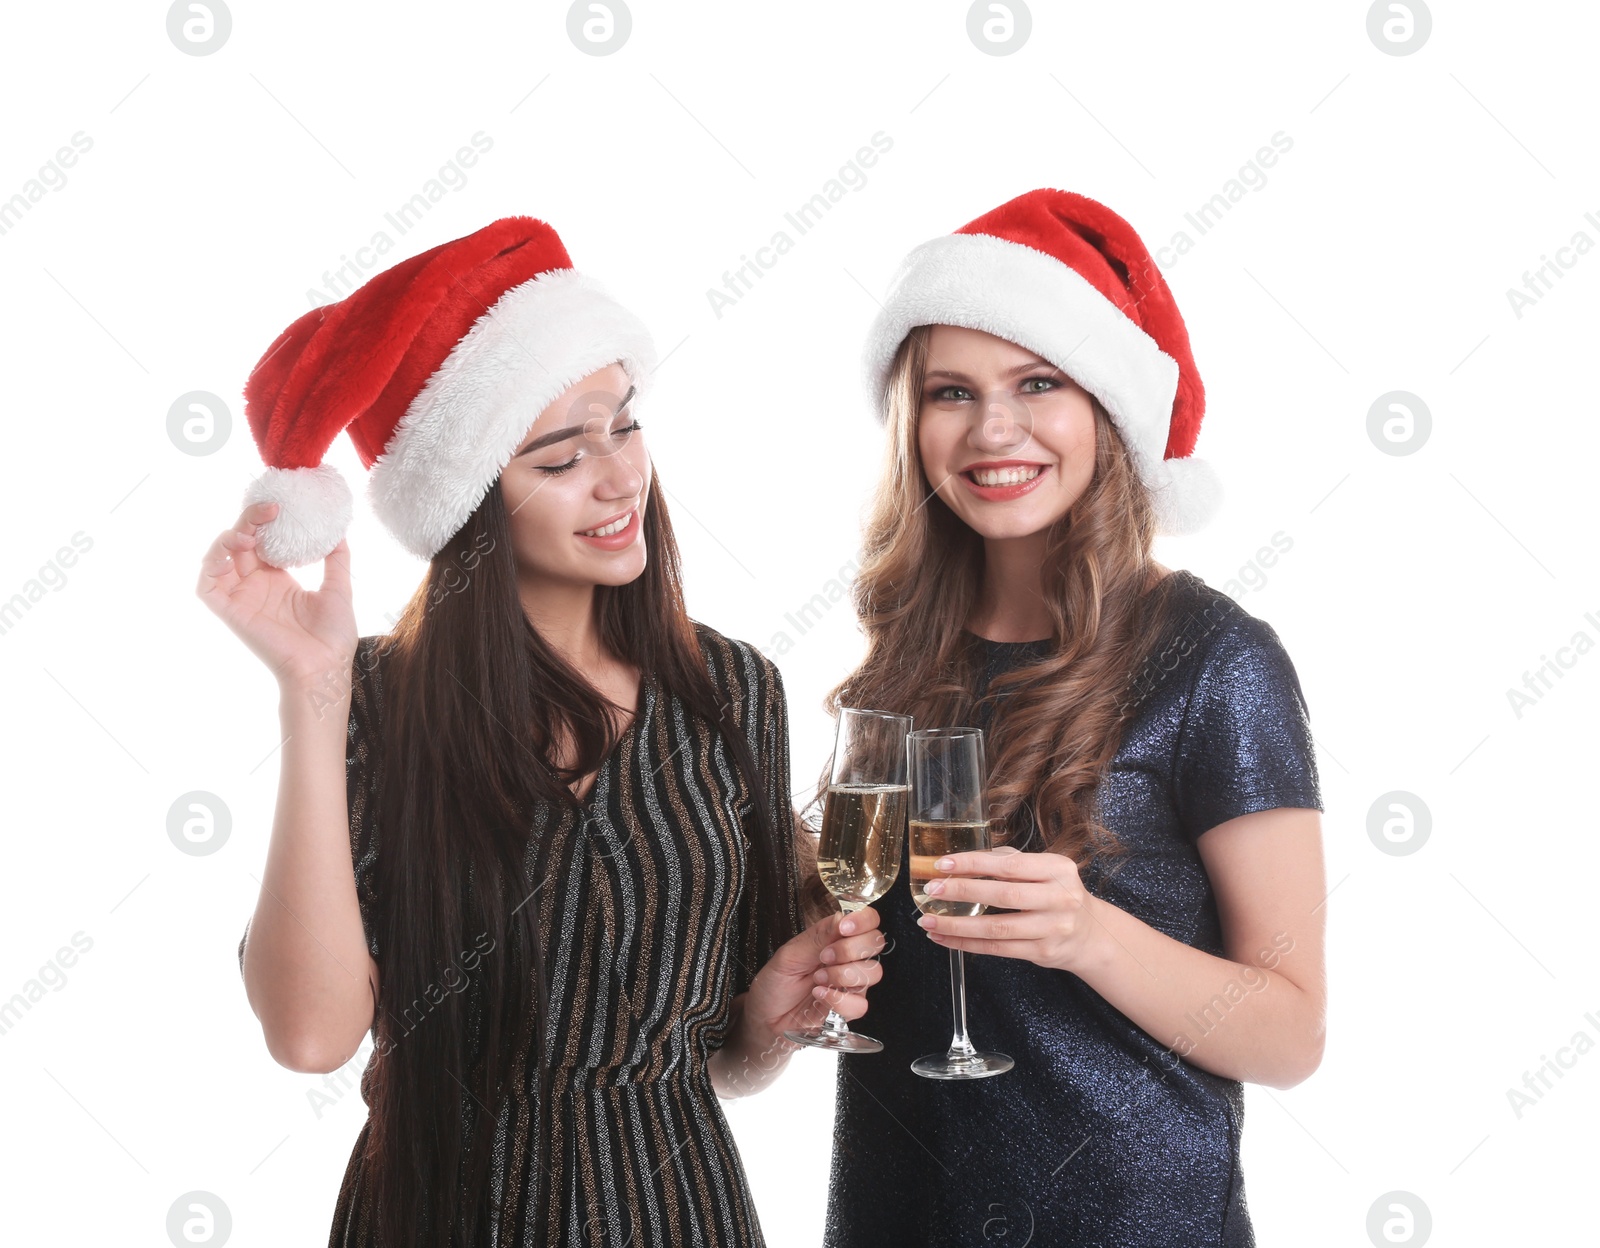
point(1232, 656)
point(1206, 645)
point(742, 675)
point(366, 672)
point(737, 664)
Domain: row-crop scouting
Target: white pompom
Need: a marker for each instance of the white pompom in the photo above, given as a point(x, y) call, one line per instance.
point(314, 510)
point(1190, 498)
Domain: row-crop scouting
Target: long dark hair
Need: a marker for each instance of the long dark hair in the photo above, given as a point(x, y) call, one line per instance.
point(474, 704)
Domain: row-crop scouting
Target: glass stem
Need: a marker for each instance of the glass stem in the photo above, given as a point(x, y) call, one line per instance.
point(960, 1046)
point(834, 1026)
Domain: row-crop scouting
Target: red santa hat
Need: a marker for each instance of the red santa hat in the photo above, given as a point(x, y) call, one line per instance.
point(1070, 280)
point(436, 368)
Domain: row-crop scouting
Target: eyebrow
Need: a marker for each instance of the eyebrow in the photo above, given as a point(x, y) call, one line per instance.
point(572, 431)
point(1010, 372)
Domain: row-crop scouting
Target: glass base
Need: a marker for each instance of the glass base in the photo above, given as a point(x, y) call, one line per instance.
point(837, 1041)
point(961, 1065)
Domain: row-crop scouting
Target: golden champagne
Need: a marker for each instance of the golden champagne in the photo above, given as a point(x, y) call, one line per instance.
point(863, 830)
point(931, 842)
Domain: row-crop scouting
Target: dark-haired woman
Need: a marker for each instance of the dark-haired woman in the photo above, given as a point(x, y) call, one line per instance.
point(1154, 923)
point(538, 837)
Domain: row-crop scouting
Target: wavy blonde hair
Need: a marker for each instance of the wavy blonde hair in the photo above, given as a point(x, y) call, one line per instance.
point(921, 568)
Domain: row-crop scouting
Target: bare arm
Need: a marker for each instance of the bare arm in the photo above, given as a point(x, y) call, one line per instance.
point(307, 972)
point(1256, 1014)
point(1259, 1013)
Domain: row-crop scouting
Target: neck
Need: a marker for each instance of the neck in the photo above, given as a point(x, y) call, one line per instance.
point(563, 614)
point(1010, 604)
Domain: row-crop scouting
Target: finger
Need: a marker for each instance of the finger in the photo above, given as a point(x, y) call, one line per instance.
point(854, 948)
point(1017, 866)
point(851, 975)
point(216, 566)
point(1010, 894)
point(1024, 949)
point(1024, 925)
point(255, 515)
point(850, 1005)
point(336, 569)
point(862, 920)
point(243, 546)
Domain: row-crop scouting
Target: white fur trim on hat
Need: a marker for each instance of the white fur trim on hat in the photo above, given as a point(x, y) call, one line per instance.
point(466, 422)
point(314, 509)
point(1189, 498)
point(1021, 294)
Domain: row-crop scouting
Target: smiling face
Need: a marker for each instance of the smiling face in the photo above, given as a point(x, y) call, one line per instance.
point(576, 489)
point(1006, 439)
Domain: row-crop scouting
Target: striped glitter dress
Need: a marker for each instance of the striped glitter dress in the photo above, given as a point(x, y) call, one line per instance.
point(650, 931)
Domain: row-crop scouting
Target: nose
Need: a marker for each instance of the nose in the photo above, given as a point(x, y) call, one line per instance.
point(1001, 423)
point(617, 475)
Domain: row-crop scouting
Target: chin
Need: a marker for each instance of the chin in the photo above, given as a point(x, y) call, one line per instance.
point(622, 573)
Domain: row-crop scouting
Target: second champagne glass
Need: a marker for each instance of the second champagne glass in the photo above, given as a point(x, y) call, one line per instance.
point(949, 816)
point(863, 835)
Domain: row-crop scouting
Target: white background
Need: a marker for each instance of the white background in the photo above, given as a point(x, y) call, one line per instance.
point(1418, 589)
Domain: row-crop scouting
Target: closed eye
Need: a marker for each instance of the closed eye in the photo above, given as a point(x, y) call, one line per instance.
point(555, 470)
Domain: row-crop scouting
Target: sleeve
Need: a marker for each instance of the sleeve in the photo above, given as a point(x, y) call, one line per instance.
point(1245, 741)
point(361, 793)
point(767, 922)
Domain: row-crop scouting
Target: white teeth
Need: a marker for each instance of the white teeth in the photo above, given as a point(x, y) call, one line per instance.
point(1004, 476)
point(616, 526)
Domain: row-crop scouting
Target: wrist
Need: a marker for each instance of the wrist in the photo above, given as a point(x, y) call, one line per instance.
point(1092, 952)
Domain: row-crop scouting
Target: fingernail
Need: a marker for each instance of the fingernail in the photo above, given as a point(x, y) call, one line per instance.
point(933, 887)
point(819, 991)
point(945, 864)
point(828, 955)
point(926, 921)
point(847, 926)
point(820, 976)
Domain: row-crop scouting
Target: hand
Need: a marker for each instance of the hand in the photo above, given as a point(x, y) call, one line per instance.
point(303, 636)
point(830, 965)
point(1054, 924)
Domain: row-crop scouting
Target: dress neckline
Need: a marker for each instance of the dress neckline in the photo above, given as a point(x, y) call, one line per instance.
point(989, 641)
point(640, 713)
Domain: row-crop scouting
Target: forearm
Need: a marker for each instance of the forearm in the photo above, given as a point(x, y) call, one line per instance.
point(1238, 1020)
point(306, 961)
point(751, 1058)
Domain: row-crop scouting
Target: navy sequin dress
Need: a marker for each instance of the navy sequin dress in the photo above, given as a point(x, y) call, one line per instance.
point(1100, 1135)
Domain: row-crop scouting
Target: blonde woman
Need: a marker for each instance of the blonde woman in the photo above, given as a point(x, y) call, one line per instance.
point(1153, 936)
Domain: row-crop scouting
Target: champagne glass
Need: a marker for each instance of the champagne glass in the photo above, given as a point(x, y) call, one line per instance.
point(862, 836)
point(948, 815)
